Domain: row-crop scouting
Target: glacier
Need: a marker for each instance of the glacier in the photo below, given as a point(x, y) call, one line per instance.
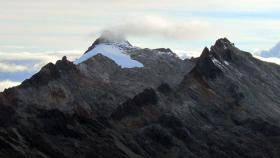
point(114, 52)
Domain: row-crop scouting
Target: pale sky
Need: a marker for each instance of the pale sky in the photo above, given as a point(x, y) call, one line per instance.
point(34, 32)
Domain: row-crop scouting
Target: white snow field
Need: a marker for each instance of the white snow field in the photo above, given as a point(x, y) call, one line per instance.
point(114, 52)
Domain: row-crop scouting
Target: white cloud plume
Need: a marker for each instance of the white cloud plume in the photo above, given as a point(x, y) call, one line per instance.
point(157, 26)
point(7, 84)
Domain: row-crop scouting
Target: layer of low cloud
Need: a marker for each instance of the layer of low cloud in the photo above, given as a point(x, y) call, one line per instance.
point(15, 62)
point(187, 54)
point(272, 53)
point(6, 67)
point(47, 56)
point(269, 59)
point(157, 26)
point(28, 63)
point(7, 84)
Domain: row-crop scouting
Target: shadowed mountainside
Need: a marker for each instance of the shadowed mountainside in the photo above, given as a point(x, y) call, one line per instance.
point(223, 104)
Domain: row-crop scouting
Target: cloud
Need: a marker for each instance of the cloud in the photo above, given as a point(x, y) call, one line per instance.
point(269, 59)
point(273, 52)
point(157, 26)
point(46, 56)
point(272, 55)
point(187, 54)
point(7, 84)
point(6, 67)
point(31, 62)
point(68, 29)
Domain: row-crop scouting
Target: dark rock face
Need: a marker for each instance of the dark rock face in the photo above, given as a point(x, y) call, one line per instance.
point(134, 106)
point(206, 67)
point(164, 88)
point(223, 104)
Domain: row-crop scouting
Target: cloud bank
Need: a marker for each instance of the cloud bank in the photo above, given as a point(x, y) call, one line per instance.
point(6, 67)
point(269, 59)
point(47, 56)
point(273, 52)
point(7, 83)
point(14, 65)
point(28, 61)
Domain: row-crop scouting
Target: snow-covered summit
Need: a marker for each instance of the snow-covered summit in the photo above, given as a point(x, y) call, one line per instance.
point(111, 38)
point(114, 47)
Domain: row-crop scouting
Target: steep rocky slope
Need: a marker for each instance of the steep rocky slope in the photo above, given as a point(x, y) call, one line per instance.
point(222, 104)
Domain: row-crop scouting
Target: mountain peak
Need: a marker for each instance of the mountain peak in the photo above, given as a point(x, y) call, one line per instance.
point(212, 62)
point(223, 41)
point(112, 38)
point(205, 53)
point(207, 65)
point(223, 49)
point(113, 46)
point(222, 44)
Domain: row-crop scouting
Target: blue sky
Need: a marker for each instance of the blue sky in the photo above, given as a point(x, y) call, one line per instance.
point(34, 32)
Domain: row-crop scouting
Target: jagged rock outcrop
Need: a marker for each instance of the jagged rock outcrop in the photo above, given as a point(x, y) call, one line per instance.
point(222, 104)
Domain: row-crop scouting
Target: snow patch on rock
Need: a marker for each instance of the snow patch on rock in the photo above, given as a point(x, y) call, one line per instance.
point(225, 47)
point(226, 62)
point(219, 64)
point(165, 53)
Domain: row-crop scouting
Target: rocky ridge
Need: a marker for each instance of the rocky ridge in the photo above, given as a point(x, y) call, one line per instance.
point(221, 104)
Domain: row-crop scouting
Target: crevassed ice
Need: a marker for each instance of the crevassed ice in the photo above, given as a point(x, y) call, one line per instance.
point(113, 52)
